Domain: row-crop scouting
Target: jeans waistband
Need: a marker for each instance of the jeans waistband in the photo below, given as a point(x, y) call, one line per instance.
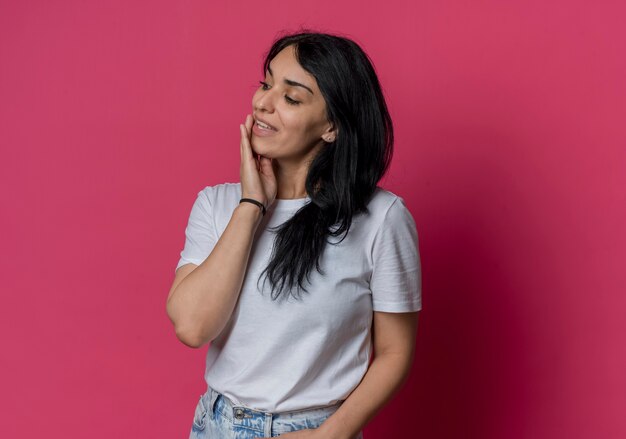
point(240, 411)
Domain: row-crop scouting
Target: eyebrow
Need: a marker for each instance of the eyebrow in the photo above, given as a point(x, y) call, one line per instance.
point(290, 82)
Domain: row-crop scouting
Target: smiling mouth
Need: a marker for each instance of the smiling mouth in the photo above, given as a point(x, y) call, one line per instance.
point(264, 126)
point(259, 130)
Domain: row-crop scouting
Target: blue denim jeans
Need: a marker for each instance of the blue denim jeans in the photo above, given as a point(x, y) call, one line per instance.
point(217, 417)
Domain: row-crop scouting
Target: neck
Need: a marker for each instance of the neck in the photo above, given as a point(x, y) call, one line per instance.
point(290, 180)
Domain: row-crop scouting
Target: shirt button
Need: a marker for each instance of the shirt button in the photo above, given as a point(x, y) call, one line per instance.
point(239, 414)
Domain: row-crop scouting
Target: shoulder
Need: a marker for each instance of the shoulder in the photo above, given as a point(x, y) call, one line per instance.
point(222, 197)
point(384, 196)
point(221, 192)
point(387, 205)
point(391, 220)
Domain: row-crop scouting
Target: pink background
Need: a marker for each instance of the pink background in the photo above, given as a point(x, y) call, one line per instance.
point(510, 153)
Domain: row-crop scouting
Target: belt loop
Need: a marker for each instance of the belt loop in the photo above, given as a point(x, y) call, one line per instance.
point(269, 418)
point(212, 398)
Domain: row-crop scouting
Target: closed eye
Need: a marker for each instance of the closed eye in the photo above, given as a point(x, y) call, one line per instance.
point(290, 101)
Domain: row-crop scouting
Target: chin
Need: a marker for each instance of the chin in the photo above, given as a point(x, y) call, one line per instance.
point(256, 149)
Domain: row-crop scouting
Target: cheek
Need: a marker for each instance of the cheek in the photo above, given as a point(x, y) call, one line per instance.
point(295, 123)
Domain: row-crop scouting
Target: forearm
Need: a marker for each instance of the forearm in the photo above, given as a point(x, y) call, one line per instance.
point(382, 380)
point(203, 302)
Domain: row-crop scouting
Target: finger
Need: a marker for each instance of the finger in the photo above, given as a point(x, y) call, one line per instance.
point(245, 143)
point(266, 166)
point(249, 122)
point(241, 142)
point(249, 157)
point(247, 129)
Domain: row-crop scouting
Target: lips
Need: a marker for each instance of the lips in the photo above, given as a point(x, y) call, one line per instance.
point(258, 119)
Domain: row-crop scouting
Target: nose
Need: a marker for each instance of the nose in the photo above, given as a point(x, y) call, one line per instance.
point(264, 101)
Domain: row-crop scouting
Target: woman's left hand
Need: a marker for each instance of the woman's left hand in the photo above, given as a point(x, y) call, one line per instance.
point(307, 433)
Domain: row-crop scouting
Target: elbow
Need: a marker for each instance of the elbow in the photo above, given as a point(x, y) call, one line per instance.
point(186, 334)
point(190, 333)
point(189, 338)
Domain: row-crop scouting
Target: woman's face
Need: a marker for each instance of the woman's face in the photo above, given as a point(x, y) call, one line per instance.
point(296, 112)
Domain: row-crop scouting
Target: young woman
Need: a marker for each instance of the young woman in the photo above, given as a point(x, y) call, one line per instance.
point(337, 255)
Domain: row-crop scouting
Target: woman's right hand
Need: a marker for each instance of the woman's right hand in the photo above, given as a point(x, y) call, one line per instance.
point(257, 176)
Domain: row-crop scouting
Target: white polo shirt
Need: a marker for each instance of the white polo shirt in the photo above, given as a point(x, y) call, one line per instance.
point(289, 355)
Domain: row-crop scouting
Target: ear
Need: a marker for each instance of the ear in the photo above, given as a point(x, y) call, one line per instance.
point(331, 134)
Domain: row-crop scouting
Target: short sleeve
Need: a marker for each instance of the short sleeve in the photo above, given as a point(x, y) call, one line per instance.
point(200, 234)
point(396, 281)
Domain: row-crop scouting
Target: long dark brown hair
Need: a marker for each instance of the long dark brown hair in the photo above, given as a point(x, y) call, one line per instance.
point(343, 176)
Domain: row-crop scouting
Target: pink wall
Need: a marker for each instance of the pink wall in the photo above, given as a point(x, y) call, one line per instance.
point(510, 154)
